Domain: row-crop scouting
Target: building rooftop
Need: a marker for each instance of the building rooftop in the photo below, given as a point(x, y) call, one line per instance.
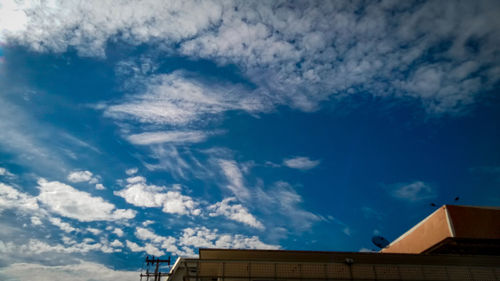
point(453, 229)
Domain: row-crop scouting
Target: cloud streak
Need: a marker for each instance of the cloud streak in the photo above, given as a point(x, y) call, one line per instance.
point(301, 163)
point(176, 137)
point(413, 192)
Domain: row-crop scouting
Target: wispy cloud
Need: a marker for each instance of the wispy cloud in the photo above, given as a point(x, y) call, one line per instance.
point(131, 171)
point(301, 163)
point(282, 199)
point(181, 137)
point(235, 178)
point(234, 211)
point(370, 213)
point(180, 99)
point(414, 191)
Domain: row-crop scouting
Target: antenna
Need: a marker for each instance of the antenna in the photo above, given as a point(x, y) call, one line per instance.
point(432, 204)
point(152, 262)
point(380, 241)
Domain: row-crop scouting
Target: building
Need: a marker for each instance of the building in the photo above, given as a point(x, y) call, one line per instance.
point(453, 230)
point(453, 243)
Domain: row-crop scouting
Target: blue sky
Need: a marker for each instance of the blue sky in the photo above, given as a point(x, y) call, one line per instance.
point(158, 127)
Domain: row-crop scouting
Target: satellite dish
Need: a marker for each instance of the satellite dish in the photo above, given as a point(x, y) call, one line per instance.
point(380, 241)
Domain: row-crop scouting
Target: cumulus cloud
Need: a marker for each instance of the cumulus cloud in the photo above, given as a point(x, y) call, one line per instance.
point(235, 179)
point(35, 220)
point(414, 191)
point(118, 232)
point(72, 203)
point(203, 237)
point(86, 176)
point(82, 271)
point(94, 231)
point(11, 198)
point(166, 243)
point(192, 238)
point(148, 248)
point(80, 176)
point(301, 163)
point(37, 247)
point(234, 212)
point(116, 244)
point(138, 193)
point(64, 226)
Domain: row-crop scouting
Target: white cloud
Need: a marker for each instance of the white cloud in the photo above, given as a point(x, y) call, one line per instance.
point(301, 163)
point(4, 172)
point(82, 271)
point(37, 247)
point(169, 159)
point(86, 176)
point(167, 137)
point(415, 191)
point(199, 237)
point(69, 202)
point(175, 99)
point(12, 198)
point(35, 220)
point(148, 248)
point(234, 212)
point(366, 250)
point(131, 171)
point(116, 244)
point(80, 176)
point(290, 49)
point(235, 178)
point(302, 53)
point(284, 200)
point(118, 232)
point(59, 24)
point(166, 243)
point(138, 193)
point(64, 226)
point(94, 231)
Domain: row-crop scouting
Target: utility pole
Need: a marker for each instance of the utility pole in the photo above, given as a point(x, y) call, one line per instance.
point(155, 262)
